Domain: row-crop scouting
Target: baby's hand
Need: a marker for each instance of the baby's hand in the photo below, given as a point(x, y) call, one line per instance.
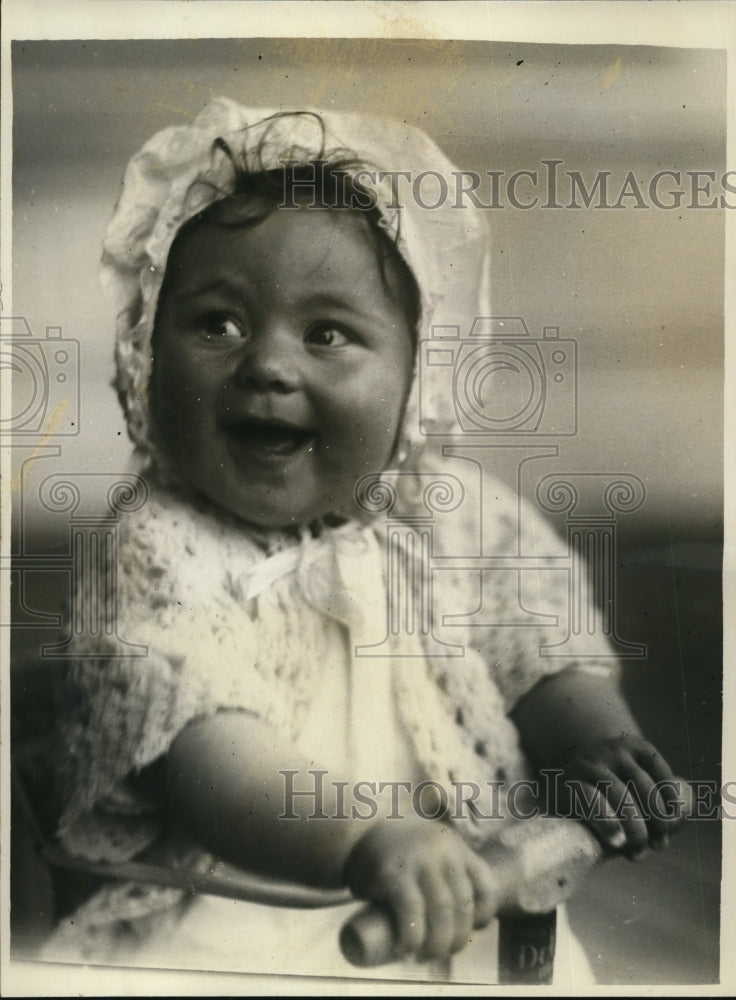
point(435, 886)
point(635, 798)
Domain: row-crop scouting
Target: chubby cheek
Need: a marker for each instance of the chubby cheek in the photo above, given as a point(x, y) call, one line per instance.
point(180, 418)
point(361, 439)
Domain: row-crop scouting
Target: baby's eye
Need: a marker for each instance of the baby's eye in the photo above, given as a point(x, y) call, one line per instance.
point(217, 326)
point(326, 335)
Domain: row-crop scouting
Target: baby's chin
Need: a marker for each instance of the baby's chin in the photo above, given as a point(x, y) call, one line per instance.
point(298, 525)
point(313, 518)
point(314, 524)
point(313, 521)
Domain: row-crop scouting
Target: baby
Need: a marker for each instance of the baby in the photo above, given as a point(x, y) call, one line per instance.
point(272, 291)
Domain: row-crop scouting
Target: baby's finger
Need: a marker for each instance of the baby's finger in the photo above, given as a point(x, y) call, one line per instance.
point(464, 911)
point(642, 790)
point(630, 809)
point(648, 757)
point(486, 894)
point(408, 913)
point(602, 818)
point(666, 803)
point(439, 903)
point(673, 802)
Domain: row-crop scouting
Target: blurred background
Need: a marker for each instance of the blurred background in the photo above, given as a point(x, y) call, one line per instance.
point(639, 289)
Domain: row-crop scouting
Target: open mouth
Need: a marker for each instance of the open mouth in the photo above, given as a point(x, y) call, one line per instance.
point(269, 438)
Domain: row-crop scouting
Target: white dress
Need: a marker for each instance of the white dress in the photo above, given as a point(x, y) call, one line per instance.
point(221, 934)
point(379, 718)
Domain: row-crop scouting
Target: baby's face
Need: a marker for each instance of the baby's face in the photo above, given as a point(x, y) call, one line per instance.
point(282, 361)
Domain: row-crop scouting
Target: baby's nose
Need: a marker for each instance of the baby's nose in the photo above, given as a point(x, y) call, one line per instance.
point(268, 363)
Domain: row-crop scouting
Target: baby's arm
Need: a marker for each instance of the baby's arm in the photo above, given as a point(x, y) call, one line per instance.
point(226, 791)
point(580, 723)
